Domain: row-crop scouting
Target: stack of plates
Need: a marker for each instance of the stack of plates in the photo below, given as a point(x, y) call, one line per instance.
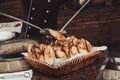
point(22, 75)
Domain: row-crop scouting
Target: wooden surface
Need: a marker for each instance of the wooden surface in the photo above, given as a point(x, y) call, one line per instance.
point(98, 24)
point(87, 73)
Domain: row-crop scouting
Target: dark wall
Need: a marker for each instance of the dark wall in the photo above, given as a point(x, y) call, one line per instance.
point(12, 7)
point(97, 22)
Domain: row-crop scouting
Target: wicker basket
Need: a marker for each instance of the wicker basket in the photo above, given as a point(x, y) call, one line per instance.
point(63, 68)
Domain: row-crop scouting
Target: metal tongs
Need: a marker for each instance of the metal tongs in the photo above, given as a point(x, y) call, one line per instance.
point(42, 31)
point(74, 15)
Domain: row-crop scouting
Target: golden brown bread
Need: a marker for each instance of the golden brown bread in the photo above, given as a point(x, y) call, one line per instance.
point(29, 50)
point(73, 50)
point(66, 49)
point(60, 54)
point(89, 46)
point(61, 48)
point(57, 35)
point(49, 56)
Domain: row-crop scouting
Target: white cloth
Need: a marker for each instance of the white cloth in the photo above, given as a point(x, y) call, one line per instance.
point(11, 26)
point(6, 35)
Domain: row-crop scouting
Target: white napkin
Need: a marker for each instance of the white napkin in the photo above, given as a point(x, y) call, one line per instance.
point(6, 35)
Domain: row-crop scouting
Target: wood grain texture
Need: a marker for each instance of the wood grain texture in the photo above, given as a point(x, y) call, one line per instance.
point(98, 24)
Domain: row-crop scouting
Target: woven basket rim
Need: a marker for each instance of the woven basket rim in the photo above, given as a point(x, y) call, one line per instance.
point(80, 58)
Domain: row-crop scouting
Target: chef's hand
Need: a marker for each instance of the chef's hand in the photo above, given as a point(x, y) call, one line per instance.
point(82, 2)
point(62, 32)
point(48, 35)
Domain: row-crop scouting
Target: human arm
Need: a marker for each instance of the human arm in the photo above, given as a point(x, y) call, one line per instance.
point(74, 4)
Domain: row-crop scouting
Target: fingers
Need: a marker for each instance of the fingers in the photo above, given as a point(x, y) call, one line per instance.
point(63, 32)
point(82, 2)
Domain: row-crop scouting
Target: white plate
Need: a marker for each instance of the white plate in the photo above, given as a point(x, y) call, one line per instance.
point(22, 75)
point(6, 35)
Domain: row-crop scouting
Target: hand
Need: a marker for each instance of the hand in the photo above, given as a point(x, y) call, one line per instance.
point(82, 2)
point(62, 32)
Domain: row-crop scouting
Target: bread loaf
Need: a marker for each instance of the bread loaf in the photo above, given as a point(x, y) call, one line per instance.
point(61, 48)
point(49, 56)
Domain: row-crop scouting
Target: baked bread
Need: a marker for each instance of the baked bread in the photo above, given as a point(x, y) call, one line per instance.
point(61, 48)
point(49, 55)
point(57, 35)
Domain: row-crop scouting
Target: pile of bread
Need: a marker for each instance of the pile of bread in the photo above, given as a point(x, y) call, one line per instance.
point(61, 48)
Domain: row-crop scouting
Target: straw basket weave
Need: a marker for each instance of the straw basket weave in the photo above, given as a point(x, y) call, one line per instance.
point(63, 68)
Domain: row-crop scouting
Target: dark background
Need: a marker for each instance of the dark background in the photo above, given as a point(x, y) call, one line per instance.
point(99, 22)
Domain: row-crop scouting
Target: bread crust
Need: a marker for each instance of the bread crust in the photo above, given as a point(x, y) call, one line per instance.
point(59, 49)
